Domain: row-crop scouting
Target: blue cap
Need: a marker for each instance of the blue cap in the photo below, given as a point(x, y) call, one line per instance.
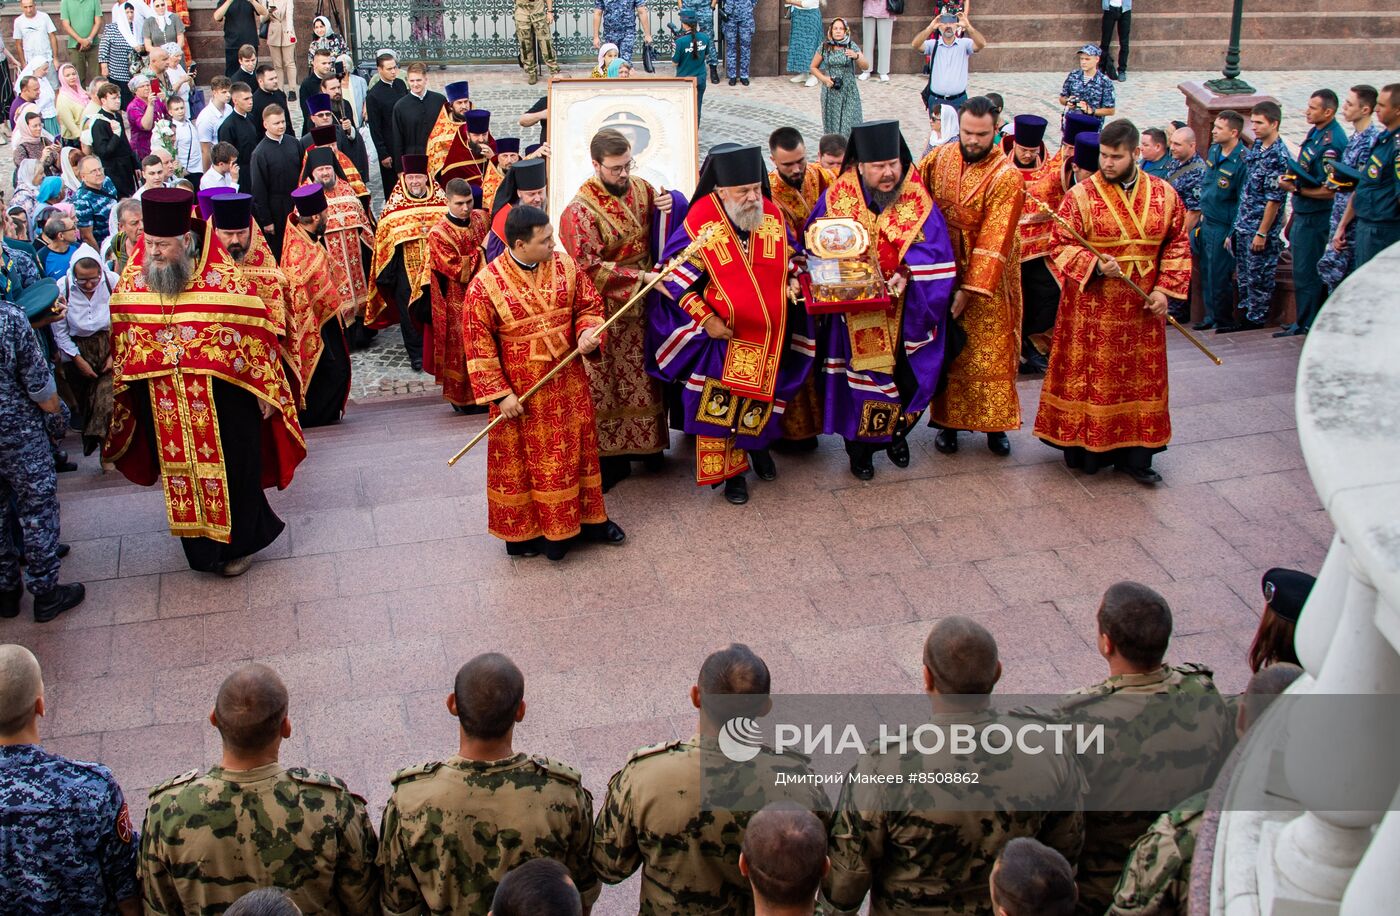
point(1029, 130)
point(507, 144)
point(478, 121)
point(1091, 49)
point(309, 199)
point(316, 104)
point(232, 211)
point(1086, 152)
point(1076, 123)
point(457, 91)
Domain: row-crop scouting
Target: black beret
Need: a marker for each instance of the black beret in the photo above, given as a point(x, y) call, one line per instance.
point(1286, 591)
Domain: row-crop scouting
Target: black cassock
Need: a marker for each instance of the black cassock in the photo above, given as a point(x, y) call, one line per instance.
point(253, 524)
point(379, 113)
point(276, 171)
point(330, 383)
point(393, 286)
point(244, 135)
point(412, 122)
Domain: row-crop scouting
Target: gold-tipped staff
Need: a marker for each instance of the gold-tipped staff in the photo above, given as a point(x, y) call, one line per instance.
point(700, 241)
point(1140, 291)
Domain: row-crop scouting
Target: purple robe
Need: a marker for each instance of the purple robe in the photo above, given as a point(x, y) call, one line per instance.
point(919, 352)
point(691, 356)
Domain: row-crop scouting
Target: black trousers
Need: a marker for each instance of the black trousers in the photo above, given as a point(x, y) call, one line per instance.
point(330, 383)
point(1123, 19)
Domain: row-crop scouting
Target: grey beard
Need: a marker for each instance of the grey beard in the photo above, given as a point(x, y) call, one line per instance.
point(169, 280)
point(237, 252)
point(745, 217)
point(329, 185)
point(883, 199)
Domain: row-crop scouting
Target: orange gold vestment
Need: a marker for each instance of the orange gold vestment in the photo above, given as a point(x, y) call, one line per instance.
point(608, 237)
point(982, 203)
point(803, 417)
point(542, 472)
point(314, 295)
point(454, 256)
point(347, 228)
point(405, 221)
point(1106, 386)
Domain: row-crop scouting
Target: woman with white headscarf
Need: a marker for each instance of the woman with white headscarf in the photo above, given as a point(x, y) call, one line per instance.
point(122, 49)
point(27, 188)
point(163, 28)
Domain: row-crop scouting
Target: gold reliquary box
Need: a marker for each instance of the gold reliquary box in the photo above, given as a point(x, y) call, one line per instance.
point(842, 273)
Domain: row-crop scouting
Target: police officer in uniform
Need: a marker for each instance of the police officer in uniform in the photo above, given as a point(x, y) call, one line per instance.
point(208, 839)
point(454, 828)
point(28, 479)
point(656, 818)
point(64, 826)
point(1375, 207)
point(1259, 223)
point(738, 38)
point(1308, 232)
point(1220, 197)
point(1180, 758)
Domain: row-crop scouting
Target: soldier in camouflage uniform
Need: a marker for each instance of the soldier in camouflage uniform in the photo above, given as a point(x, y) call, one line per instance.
point(453, 828)
point(1257, 241)
point(1031, 879)
point(916, 849)
point(533, 28)
point(251, 823)
point(1177, 744)
point(660, 815)
point(64, 826)
point(1157, 877)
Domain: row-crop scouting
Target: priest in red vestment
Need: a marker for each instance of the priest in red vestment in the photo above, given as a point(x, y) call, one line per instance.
point(526, 310)
point(1044, 179)
point(472, 152)
point(325, 357)
point(400, 268)
point(524, 184)
point(980, 193)
point(449, 120)
point(454, 256)
point(348, 236)
point(201, 403)
point(1104, 401)
point(607, 230)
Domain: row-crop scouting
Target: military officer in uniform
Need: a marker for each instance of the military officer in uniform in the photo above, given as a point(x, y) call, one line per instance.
point(453, 828)
point(28, 480)
point(533, 20)
point(915, 850)
point(1134, 626)
point(64, 825)
point(207, 840)
point(1157, 876)
point(1375, 207)
point(1220, 198)
point(1309, 230)
point(738, 38)
point(657, 818)
point(1256, 244)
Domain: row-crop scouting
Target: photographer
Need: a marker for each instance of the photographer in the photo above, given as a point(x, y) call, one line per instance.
point(948, 56)
point(834, 65)
point(1088, 90)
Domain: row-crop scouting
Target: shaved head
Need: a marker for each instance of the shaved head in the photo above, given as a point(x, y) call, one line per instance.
point(785, 854)
point(1183, 143)
point(21, 685)
point(251, 706)
point(961, 654)
point(489, 689)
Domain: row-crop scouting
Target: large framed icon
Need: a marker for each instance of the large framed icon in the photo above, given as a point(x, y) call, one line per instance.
point(656, 113)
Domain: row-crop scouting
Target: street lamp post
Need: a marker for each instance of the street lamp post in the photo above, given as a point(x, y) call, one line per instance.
point(1231, 84)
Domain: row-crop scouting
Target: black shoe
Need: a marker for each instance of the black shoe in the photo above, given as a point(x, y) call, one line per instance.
point(609, 532)
point(555, 550)
point(744, 80)
point(530, 548)
point(1244, 324)
point(654, 462)
point(1290, 331)
point(998, 444)
point(714, 73)
point(9, 602)
point(615, 469)
point(415, 364)
point(1145, 476)
point(1205, 324)
point(733, 81)
point(736, 490)
point(862, 463)
point(898, 450)
point(62, 597)
point(1122, 76)
point(762, 463)
point(62, 551)
point(1034, 364)
point(946, 441)
point(62, 464)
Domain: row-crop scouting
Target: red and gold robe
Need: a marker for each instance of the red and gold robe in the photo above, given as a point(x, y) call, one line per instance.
point(260, 266)
point(542, 473)
point(462, 163)
point(1045, 183)
point(351, 173)
point(1106, 386)
point(218, 328)
point(405, 221)
point(803, 417)
point(981, 203)
point(609, 238)
point(440, 139)
point(315, 296)
point(347, 228)
point(490, 184)
point(454, 256)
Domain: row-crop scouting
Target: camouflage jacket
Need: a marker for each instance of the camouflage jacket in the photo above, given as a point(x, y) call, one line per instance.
point(922, 848)
point(1158, 874)
point(209, 839)
point(1176, 746)
point(452, 829)
point(661, 815)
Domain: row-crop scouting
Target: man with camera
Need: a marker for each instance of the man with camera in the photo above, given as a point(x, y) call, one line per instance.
point(948, 56)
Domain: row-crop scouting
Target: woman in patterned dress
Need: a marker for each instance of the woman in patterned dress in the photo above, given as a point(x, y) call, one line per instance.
point(805, 39)
point(834, 65)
